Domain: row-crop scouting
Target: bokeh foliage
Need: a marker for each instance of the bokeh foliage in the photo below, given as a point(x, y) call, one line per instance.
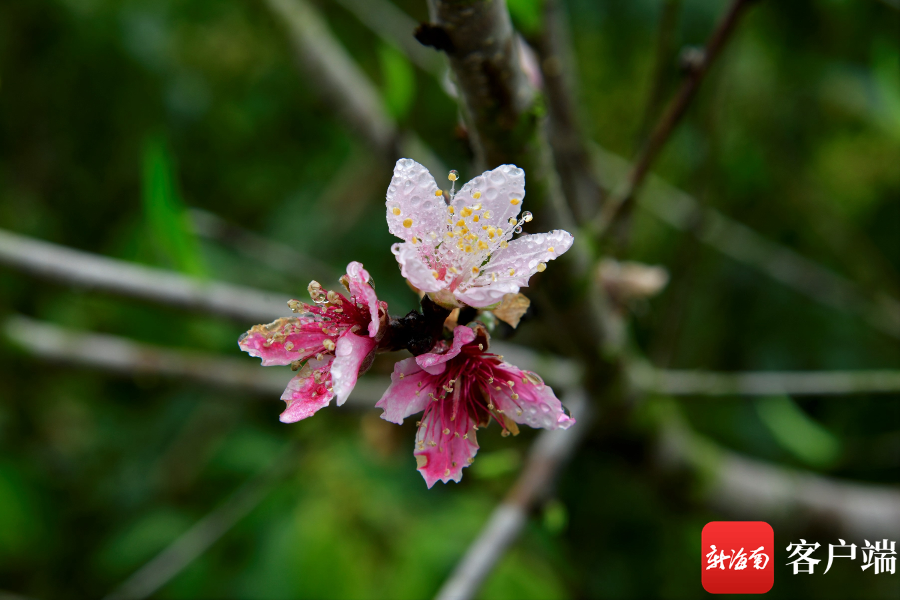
point(117, 115)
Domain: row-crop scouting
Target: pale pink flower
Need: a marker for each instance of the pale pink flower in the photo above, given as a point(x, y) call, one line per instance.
point(463, 253)
point(336, 336)
point(461, 387)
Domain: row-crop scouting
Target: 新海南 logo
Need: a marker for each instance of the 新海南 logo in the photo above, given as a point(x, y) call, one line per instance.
point(737, 557)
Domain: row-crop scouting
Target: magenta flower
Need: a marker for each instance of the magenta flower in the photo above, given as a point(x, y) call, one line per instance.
point(463, 253)
point(336, 336)
point(461, 387)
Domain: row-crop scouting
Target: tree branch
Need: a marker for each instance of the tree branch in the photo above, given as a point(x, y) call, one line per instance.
point(114, 354)
point(792, 383)
point(59, 264)
point(565, 131)
point(750, 488)
point(680, 211)
point(549, 454)
point(662, 66)
point(396, 28)
point(498, 103)
point(276, 255)
point(345, 87)
point(676, 109)
point(338, 77)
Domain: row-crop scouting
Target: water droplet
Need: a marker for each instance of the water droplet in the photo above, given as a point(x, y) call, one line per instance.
point(518, 229)
point(454, 175)
point(527, 216)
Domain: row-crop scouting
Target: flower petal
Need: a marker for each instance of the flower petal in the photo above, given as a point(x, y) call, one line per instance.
point(523, 255)
point(444, 447)
point(414, 269)
point(529, 400)
point(413, 207)
point(491, 292)
point(285, 340)
point(433, 363)
point(502, 191)
point(364, 293)
point(408, 393)
point(349, 353)
point(305, 394)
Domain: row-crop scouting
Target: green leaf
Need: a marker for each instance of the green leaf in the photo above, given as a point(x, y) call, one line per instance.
point(399, 81)
point(797, 432)
point(168, 223)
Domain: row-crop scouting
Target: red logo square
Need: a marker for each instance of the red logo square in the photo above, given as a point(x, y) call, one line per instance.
point(736, 557)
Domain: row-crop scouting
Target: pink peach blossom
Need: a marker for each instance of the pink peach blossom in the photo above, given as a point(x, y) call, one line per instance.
point(336, 336)
point(460, 387)
point(463, 253)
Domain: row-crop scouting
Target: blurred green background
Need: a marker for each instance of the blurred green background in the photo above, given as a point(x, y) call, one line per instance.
point(119, 116)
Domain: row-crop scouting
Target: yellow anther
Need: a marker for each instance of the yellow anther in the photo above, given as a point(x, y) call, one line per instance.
point(450, 209)
point(435, 273)
point(512, 221)
point(468, 248)
point(407, 222)
point(415, 240)
point(487, 214)
point(475, 219)
point(476, 195)
point(514, 201)
point(491, 234)
point(460, 244)
point(482, 245)
point(512, 272)
point(541, 267)
point(460, 223)
point(396, 211)
point(550, 249)
point(452, 176)
point(438, 193)
point(485, 227)
point(504, 244)
point(474, 270)
point(329, 345)
point(477, 206)
point(465, 212)
point(454, 270)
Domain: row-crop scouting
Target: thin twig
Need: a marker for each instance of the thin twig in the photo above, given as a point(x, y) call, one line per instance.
point(549, 453)
point(208, 530)
point(59, 264)
point(337, 76)
point(565, 131)
point(114, 354)
point(663, 63)
point(793, 383)
point(676, 109)
point(682, 211)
